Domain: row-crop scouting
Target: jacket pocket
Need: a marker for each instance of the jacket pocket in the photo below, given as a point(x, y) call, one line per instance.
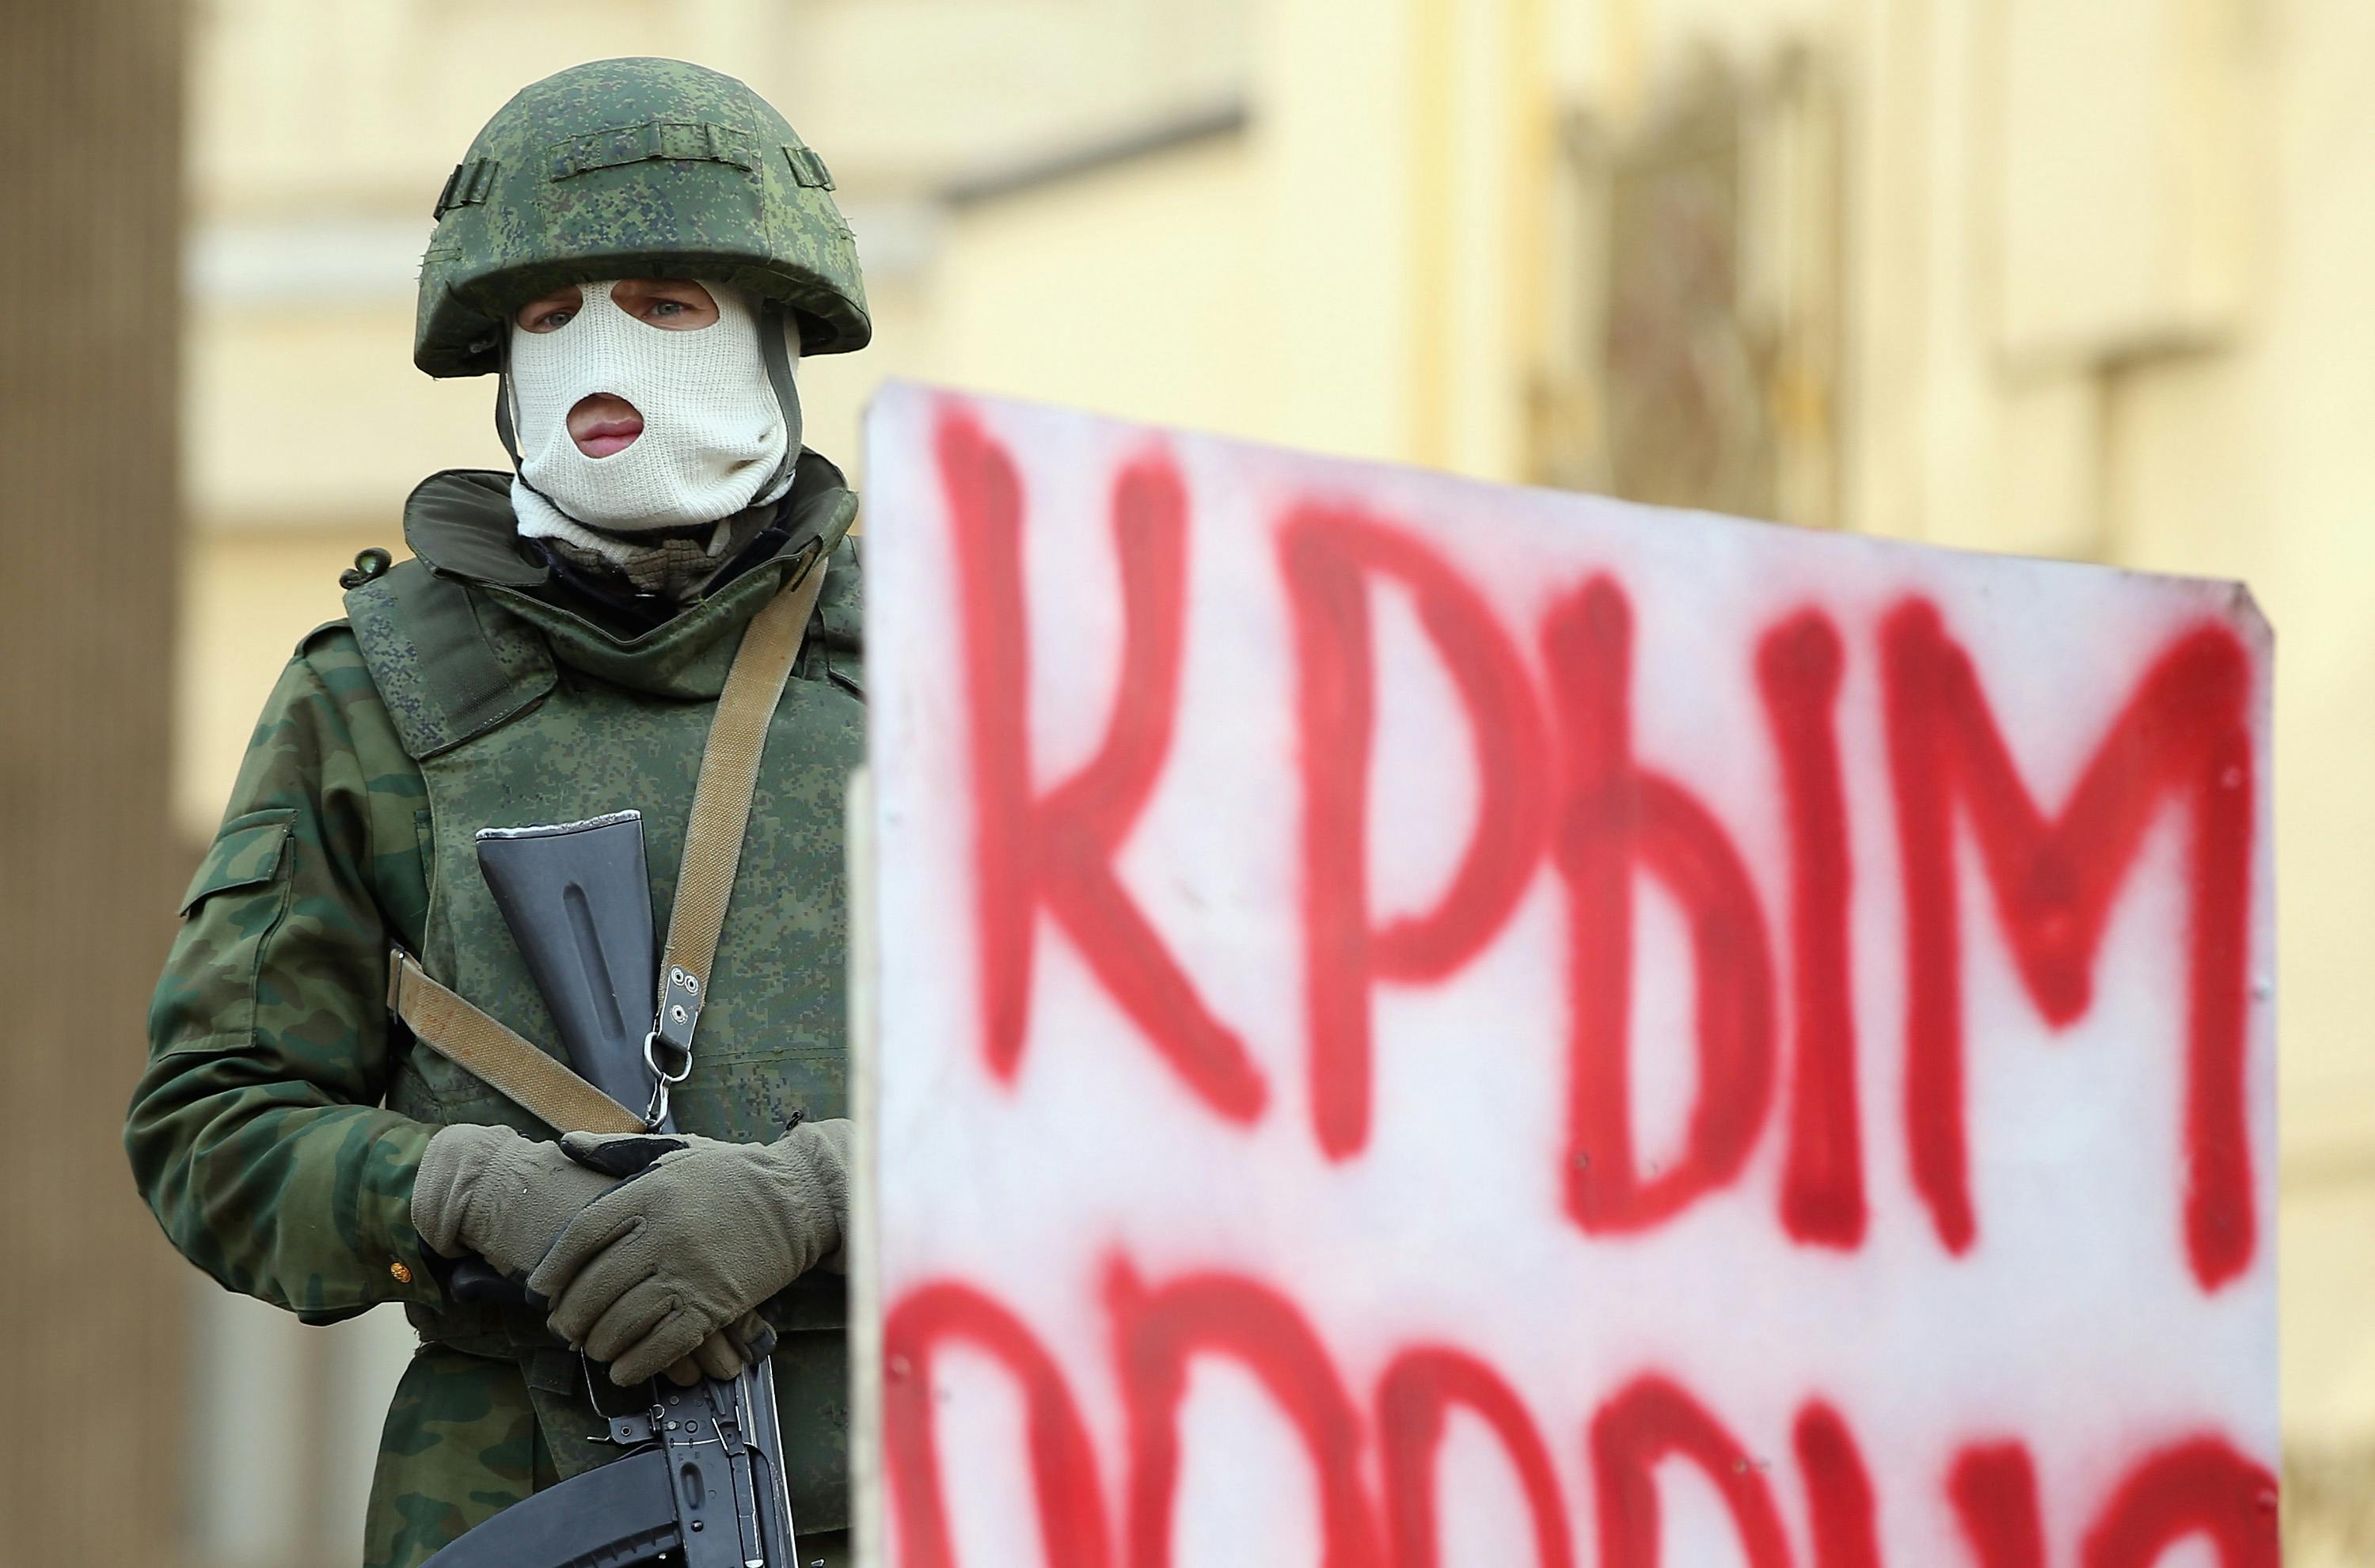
point(246, 852)
point(235, 901)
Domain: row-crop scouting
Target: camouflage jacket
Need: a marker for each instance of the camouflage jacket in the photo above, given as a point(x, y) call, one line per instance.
point(260, 1133)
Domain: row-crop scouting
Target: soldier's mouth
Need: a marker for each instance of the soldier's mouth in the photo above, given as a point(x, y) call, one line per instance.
point(603, 424)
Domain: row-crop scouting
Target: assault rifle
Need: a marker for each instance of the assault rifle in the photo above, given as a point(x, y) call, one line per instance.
point(702, 1482)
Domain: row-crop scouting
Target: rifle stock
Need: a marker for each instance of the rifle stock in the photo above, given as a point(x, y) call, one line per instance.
point(578, 901)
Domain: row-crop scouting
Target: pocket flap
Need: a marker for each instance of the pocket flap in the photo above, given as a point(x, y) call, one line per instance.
point(245, 853)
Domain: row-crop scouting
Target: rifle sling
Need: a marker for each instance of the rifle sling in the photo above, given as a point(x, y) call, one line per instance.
point(721, 806)
point(483, 1046)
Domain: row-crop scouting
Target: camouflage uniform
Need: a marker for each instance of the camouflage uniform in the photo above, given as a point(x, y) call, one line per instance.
point(280, 1125)
point(258, 1133)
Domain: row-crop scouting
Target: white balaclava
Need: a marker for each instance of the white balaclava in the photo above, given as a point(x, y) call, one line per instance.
point(714, 435)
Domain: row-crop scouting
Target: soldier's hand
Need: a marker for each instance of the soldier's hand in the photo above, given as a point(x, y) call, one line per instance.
point(489, 1191)
point(642, 1275)
point(743, 1342)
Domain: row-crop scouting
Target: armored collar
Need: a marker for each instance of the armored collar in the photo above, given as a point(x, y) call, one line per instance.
point(460, 523)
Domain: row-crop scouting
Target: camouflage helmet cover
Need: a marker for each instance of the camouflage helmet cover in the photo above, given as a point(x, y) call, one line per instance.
point(634, 168)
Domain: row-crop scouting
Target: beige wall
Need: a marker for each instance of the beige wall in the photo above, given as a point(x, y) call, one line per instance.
point(1138, 289)
point(2095, 277)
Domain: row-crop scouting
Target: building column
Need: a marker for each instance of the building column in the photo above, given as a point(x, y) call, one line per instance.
point(90, 111)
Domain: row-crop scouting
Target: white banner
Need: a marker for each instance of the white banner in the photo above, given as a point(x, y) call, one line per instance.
point(1427, 1022)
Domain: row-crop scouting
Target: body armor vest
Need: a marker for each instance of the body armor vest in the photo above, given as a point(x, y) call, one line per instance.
point(520, 711)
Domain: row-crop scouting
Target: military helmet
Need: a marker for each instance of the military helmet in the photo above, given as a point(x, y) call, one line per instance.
point(635, 168)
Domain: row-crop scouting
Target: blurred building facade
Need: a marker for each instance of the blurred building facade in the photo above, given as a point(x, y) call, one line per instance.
point(2084, 280)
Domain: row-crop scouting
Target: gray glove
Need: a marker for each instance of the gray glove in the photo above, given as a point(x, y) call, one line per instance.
point(691, 1243)
point(489, 1191)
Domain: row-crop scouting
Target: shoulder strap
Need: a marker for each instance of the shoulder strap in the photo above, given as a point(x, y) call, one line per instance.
point(721, 816)
point(476, 1042)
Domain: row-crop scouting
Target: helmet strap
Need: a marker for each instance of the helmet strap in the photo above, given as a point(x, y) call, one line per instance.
point(506, 418)
point(773, 325)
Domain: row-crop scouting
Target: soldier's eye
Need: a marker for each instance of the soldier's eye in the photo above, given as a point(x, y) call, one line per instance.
point(670, 306)
point(549, 312)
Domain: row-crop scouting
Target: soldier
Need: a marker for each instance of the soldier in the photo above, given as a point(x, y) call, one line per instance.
point(639, 250)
